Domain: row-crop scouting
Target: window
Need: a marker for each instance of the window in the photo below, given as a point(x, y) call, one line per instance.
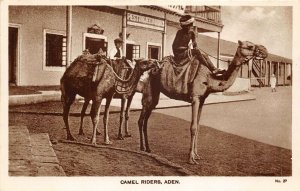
point(154, 51)
point(55, 51)
point(94, 42)
point(132, 51)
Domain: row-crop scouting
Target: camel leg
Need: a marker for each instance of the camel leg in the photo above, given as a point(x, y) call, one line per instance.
point(123, 102)
point(105, 120)
point(95, 112)
point(127, 134)
point(194, 129)
point(141, 124)
point(84, 107)
point(198, 123)
point(145, 129)
point(149, 101)
point(67, 102)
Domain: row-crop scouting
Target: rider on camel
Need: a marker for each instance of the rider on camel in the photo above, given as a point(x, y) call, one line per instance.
point(185, 38)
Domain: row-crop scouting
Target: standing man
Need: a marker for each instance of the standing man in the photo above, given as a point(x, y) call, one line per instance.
point(273, 82)
point(116, 52)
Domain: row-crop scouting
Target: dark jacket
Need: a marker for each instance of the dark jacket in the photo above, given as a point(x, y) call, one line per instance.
point(182, 39)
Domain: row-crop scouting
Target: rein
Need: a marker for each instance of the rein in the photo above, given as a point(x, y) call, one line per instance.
point(213, 56)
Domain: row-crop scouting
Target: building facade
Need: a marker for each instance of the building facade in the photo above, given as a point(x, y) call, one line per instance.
point(40, 36)
point(44, 40)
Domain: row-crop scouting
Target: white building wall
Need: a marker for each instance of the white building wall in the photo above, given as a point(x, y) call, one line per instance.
point(141, 36)
point(84, 18)
point(33, 20)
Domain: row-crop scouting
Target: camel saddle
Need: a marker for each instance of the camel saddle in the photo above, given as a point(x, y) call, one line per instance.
point(179, 75)
point(123, 70)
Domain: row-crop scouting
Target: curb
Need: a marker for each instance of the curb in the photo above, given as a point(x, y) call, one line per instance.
point(33, 98)
point(56, 96)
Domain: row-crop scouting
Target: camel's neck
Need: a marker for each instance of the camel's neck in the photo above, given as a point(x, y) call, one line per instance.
point(230, 75)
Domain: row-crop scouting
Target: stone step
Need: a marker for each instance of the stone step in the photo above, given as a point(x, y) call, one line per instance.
point(44, 156)
point(31, 154)
point(20, 156)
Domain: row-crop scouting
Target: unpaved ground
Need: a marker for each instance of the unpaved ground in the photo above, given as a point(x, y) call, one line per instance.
point(223, 154)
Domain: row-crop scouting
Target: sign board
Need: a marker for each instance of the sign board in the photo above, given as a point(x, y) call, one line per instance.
point(145, 21)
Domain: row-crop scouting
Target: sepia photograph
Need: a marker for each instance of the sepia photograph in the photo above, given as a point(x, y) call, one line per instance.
point(141, 96)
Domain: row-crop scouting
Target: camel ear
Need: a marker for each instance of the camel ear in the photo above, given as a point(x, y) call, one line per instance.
point(240, 43)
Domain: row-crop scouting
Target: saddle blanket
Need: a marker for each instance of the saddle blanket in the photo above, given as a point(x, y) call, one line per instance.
point(179, 75)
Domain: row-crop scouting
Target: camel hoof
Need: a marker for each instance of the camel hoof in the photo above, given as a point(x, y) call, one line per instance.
point(81, 133)
point(142, 149)
point(148, 150)
point(120, 137)
point(108, 142)
point(127, 135)
point(192, 161)
point(70, 138)
point(197, 157)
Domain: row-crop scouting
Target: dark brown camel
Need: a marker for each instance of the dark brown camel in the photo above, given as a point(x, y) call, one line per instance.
point(204, 84)
point(77, 79)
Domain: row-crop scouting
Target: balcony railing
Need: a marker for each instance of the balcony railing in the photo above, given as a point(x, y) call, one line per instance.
point(211, 13)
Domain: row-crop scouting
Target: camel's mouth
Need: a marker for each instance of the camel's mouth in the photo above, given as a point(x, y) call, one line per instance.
point(260, 52)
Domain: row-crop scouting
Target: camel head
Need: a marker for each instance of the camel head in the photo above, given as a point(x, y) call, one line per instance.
point(146, 64)
point(248, 50)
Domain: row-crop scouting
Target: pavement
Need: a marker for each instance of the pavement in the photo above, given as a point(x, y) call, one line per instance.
point(267, 119)
point(164, 101)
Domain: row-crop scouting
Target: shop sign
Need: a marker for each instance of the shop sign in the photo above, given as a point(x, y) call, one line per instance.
point(145, 21)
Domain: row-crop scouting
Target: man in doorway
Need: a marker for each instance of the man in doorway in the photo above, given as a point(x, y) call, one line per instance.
point(116, 52)
point(185, 39)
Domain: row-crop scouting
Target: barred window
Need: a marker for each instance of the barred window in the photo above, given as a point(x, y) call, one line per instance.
point(132, 51)
point(56, 50)
point(136, 51)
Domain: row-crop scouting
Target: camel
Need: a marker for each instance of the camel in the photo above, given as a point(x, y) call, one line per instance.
point(77, 79)
point(125, 104)
point(204, 83)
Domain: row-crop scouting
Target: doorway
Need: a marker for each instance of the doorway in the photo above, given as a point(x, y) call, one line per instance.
point(95, 44)
point(12, 54)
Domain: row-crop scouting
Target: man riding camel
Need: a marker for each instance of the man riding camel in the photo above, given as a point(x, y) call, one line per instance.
point(185, 38)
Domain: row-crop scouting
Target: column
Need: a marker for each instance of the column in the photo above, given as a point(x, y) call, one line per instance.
point(284, 74)
point(164, 37)
point(69, 34)
point(277, 75)
point(260, 72)
point(265, 64)
point(270, 71)
point(291, 67)
point(124, 33)
point(218, 51)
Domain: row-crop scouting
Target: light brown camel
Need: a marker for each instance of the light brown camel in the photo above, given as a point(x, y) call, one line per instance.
point(77, 79)
point(122, 70)
point(203, 84)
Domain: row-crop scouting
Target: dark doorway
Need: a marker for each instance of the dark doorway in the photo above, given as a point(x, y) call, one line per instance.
point(12, 54)
point(153, 52)
point(94, 45)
